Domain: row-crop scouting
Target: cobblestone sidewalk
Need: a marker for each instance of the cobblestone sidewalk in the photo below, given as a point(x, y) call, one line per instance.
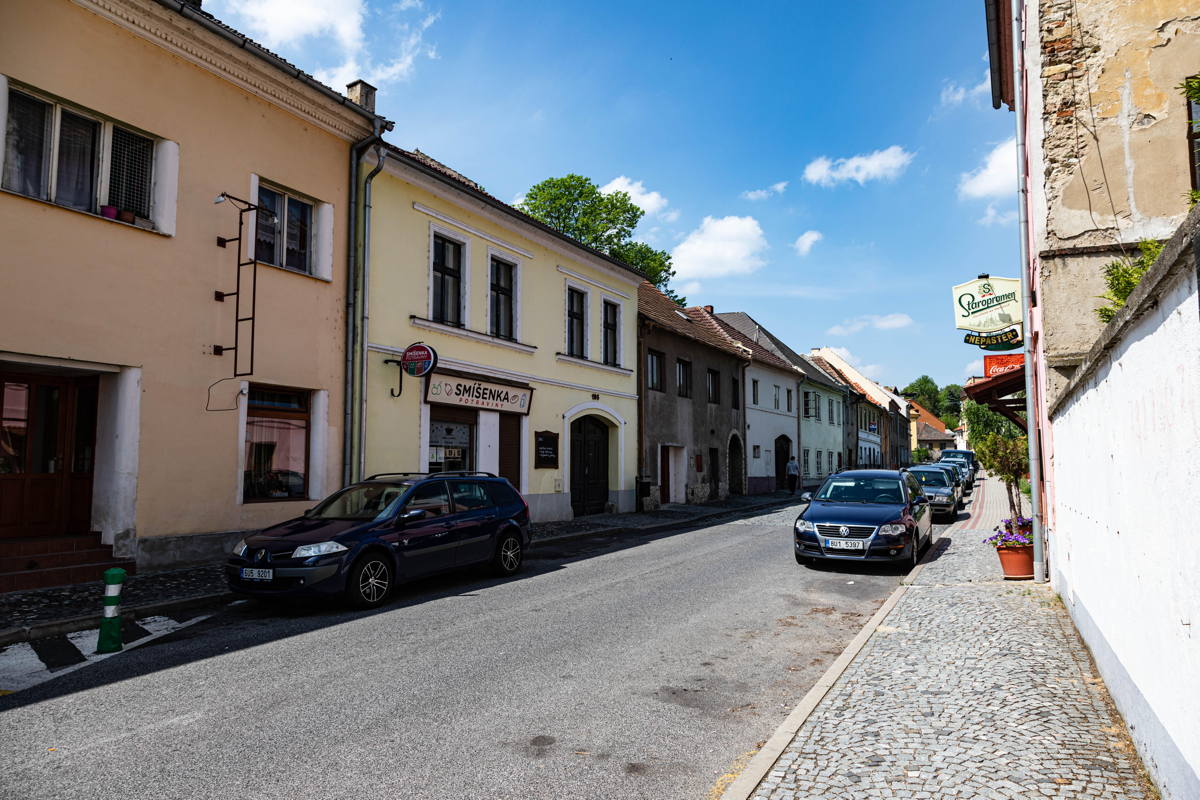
point(973, 687)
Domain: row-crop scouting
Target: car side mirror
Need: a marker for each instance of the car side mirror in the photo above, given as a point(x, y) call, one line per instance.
point(308, 511)
point(806, 497)
point(920, 500)
point(411, 515)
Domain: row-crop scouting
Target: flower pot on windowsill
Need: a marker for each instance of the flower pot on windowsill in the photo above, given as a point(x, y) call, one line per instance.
point(1017, 562)
point(126, 216)
point(108, 212)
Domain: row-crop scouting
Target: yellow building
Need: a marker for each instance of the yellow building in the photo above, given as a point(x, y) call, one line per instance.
point(535, 337)
point(125, 425)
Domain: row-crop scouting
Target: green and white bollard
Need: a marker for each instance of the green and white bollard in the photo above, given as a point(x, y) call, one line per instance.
point(110, 626)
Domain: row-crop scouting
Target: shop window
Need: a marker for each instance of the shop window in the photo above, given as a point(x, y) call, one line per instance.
point(655, 364)
point(276, 446)
point(502, 299)
point(447, 281)
point(451, 446)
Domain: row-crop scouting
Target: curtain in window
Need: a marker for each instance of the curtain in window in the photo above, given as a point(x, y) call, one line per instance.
point(78, 139)
point(25, 145)
point(266, 227)
point(298, 235)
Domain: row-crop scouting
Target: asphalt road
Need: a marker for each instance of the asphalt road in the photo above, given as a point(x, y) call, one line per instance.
point(635, 669)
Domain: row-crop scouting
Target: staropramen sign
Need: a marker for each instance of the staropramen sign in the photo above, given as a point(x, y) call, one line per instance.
point(987, 305)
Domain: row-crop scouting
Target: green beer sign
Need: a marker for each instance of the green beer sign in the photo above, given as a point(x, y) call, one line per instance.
point(987, 305)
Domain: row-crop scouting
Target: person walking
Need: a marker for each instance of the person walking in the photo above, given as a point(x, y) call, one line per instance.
point(793, 474)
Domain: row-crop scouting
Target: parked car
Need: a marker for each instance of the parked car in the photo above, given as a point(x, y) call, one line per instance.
point(360, 541)
point(938, 487)
point(968, 455)
point(954, 476)
point(964, 467)
point(865, 514)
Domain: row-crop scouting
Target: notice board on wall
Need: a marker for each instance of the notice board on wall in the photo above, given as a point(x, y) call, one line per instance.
point(545, 450)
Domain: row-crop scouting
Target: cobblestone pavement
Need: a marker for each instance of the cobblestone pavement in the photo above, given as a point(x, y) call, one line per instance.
point(973, 687)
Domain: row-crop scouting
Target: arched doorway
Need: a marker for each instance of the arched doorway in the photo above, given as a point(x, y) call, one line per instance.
point(589, 465)
point(737, 464)
point(783, 452)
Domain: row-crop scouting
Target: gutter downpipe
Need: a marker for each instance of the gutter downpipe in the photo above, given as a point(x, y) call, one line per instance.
point(1032, 420)
point(349, 392)
point(364, 314)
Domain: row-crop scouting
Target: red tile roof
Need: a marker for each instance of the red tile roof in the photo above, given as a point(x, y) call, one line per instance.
point(924, 415)
point(844, 378)
point(689, 322)
point(758, 353)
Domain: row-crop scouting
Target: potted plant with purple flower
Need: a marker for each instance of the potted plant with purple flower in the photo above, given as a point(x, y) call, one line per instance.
point(1013, 541)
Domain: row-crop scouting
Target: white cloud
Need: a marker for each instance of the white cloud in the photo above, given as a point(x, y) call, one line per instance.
point(763, 194)
point(518, 199)
point(879, 165)
point(719, 247)
point(872, 371)
point(994, 217)
point(284, 23)
point(689, 287)
point(996, 177)
point(975, 368)
point(885, 322)
point(804, 243)
point(670, 216)
point(652, 203)
point(954, 95)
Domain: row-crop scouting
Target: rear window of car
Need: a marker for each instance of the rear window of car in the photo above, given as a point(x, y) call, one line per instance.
point(501, 493)
point(469, 495)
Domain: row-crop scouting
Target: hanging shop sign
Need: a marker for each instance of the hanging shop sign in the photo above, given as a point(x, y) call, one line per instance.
point(999, 365)
point(418, 359)
point(1005, 340)
point(545, 450)
point(987, 305)
point(467, 392)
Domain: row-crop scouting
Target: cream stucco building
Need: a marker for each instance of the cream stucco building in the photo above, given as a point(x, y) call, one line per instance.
point(128, 424)
point(535, 337)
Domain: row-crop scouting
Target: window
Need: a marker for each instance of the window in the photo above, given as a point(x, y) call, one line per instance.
point(736, 397)
point(806, 468)
point(654, 370)
point(76, 159)
point(777, 397)
point(757, 451)
point(819, 470)
point(431, 498)
point(713, 382)
point(806, 398)
point(502, 299)
point(276, 466)
point(829, 454)
point(447, 281)
point(469, 496)
point(683, 377)
point(576, 309)
point(831, 420)
point(817, 406)
point(611, 329)
point(754, 392)
point(285, 239)
point(789, 400)
point(1194, 141)
point(839, 466)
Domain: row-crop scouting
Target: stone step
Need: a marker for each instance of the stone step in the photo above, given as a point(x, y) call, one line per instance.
point(33, 545)
point(66, 558)
point(60, 576)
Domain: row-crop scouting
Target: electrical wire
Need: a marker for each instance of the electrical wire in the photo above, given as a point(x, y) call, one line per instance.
point(208, 402)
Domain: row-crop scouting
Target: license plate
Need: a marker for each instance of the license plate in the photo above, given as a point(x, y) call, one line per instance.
point(843, 544)
point(250, 574)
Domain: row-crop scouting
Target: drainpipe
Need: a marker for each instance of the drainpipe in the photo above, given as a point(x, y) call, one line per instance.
point(1032, 420)
point(350, 394)
point(364, 316)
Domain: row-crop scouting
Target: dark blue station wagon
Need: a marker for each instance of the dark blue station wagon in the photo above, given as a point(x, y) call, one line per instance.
point(360, 541)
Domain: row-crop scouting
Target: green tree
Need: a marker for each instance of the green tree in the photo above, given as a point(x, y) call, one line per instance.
point(983, 422)
point(1123, 276)
point(925, 391)
point(574, 205)
point(951, 397)
point(1008, 459)
point(920, 455)
point(951, 421)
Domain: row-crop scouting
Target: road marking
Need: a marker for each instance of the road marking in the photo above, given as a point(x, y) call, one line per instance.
point(21, 667)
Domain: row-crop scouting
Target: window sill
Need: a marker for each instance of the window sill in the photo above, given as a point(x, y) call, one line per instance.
point(91, 214)
point(294, 271)
point(467, 333)
point(584, 362)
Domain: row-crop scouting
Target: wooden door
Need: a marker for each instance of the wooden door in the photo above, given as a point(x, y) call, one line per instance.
point(589, 466)
point(510, 448)
point(783, 452)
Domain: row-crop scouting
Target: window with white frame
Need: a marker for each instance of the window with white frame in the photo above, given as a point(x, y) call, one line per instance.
point(831, 417)
point(447, 281)
point(503, 321)
point(754, 391)
point(789, 400)
point(819, 470)
point(576, 323)
point(283, 237)
point(611, 338)
point(777, 398)
point(756, 451)
point(806, 467)
point(78, 159)
point(817, 406)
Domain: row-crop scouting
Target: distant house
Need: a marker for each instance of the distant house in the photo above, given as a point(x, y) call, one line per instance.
point(930, 432)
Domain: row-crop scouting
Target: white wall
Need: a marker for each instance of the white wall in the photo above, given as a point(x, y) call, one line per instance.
point(763, 422)
point(1125, 552)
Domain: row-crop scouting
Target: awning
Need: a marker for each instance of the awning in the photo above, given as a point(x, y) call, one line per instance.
point(996, 393)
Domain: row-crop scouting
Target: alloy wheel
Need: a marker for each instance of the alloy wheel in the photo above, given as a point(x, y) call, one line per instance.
point(373, 581)
point(510, 554)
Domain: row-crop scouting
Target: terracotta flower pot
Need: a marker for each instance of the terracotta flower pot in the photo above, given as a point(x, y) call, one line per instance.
point(1017, 562)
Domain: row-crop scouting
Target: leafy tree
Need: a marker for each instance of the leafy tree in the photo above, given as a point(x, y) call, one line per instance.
point(574, 205)
point(951, 397)
point(951, 421)
point(1008, 459)
point(983, 422)
point(925, 391)
point(1123, 276)
point(920, 455)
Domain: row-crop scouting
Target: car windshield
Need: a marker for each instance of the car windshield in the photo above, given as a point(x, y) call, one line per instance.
point(851, 489)
point(364, 501)
point(931, 478)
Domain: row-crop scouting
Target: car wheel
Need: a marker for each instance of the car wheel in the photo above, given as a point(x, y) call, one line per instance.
point(509, 555)
point(914, 556)
point(369, 581)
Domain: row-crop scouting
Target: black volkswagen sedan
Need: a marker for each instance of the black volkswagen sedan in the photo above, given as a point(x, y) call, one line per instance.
point(359, 541)
point(866, 514)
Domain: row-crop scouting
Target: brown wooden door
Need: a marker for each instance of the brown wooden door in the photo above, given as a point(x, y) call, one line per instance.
point(589, 466)
point(47, 439)
point(510, 448)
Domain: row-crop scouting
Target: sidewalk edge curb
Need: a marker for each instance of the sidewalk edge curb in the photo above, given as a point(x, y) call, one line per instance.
point(59, 627)
point(759, 767)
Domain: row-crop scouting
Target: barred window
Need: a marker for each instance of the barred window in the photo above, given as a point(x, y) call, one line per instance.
point(130, 172)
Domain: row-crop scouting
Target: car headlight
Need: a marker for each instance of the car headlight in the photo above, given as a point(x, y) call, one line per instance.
point(892, 530)
point(804, 526)
point(239, 549)
point(322, 549)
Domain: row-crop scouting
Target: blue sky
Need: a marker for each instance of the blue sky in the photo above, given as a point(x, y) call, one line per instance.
point(830, 168)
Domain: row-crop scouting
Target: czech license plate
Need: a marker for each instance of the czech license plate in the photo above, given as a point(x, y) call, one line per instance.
point(250, 574)
point(843, 544)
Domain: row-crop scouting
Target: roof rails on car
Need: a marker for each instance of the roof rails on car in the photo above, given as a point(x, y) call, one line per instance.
point(392, 475)
point(463, 473)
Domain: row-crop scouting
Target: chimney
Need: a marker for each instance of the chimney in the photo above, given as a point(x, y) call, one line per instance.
point(709, 309)
point(362, 93)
